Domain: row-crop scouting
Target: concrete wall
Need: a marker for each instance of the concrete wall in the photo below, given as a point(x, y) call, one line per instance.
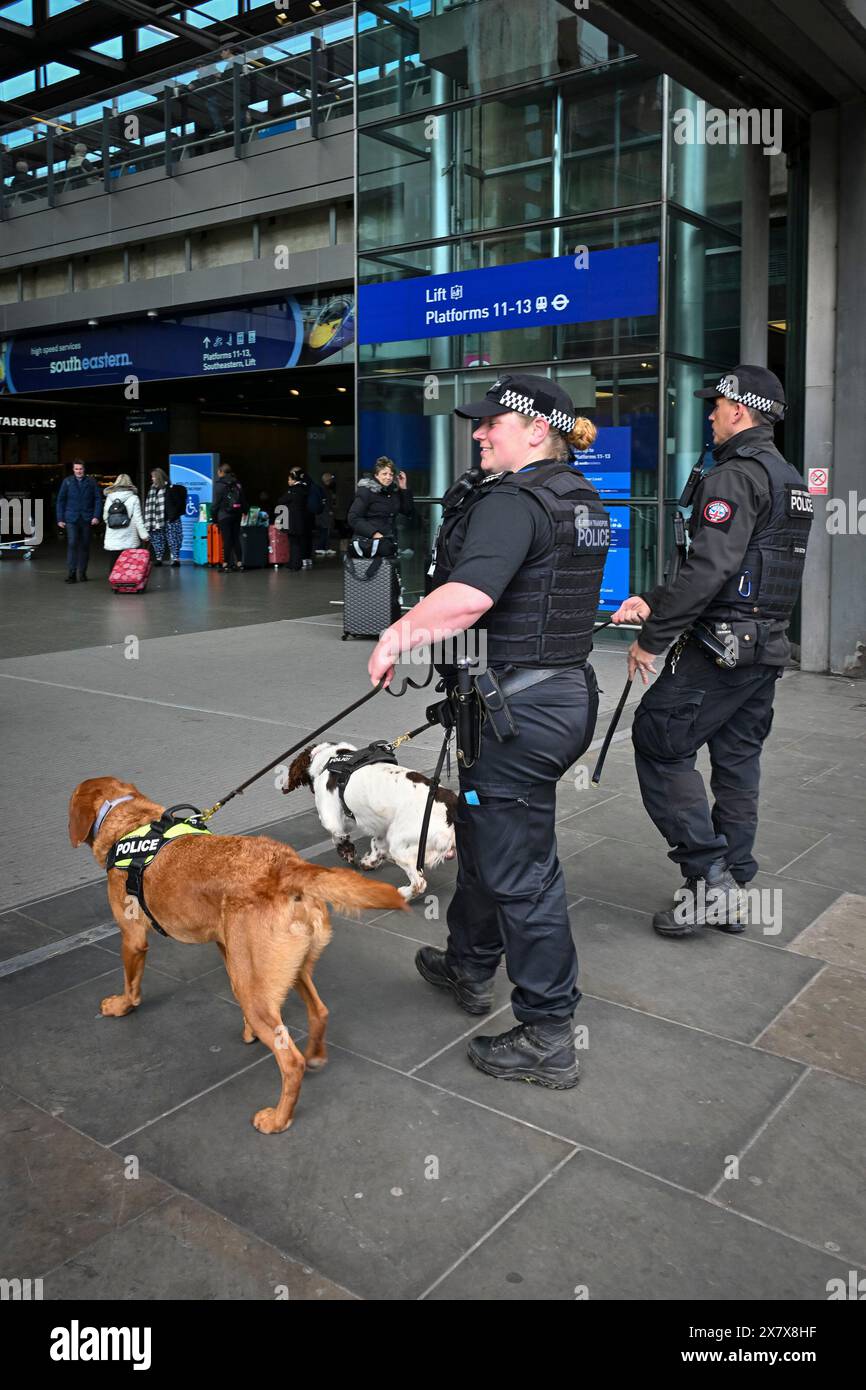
point(186, 240)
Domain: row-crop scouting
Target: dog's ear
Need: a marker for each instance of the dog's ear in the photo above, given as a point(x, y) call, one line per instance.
point(86, 800)
point(299, 772)
point(84, 804)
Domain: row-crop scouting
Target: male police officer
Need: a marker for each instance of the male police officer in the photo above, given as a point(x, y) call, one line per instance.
point(727, 601)
point(522, 547)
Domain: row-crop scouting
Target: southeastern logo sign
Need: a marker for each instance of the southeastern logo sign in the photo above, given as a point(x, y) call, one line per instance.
point(259, 337)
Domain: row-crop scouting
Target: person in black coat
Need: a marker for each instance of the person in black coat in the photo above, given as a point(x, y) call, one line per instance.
point(379, 501)
point(293, 515)
point(227, 508)
point(175, 507)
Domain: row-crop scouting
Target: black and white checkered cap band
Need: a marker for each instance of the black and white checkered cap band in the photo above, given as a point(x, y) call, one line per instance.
point(729, 388)
point(523, 405)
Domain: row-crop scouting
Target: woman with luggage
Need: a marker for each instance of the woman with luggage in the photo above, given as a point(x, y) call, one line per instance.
point(226, 510)
point(378, 502)
point(125, 527)
point(371, 600)
point(125, 530)
point(292, 515)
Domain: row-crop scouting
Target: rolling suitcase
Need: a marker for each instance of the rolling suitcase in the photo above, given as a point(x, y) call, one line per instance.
point(131, 572)
point(199, 542)
point(254, 547)
point(278, 546)
point(214, 544)
point(370, 601)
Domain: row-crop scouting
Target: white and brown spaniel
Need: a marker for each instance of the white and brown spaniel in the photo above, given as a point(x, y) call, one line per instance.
point(387, 803)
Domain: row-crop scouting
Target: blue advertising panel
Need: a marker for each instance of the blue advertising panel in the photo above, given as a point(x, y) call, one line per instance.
point(615, 583)
point(613, 284)
point(196, 472)
point(298, 331)
point(607, 464)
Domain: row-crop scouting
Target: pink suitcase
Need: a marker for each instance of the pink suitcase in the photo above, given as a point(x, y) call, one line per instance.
point(131, 572)
point(278, 546)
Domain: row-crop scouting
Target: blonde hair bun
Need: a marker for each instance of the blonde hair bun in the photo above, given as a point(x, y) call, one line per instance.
point(583, 434)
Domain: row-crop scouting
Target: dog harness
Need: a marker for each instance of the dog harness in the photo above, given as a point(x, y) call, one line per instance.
point(342, 765)
point(139, 848)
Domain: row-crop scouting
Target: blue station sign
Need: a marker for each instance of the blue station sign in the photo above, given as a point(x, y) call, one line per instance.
point(610, 284)
point(300, 330)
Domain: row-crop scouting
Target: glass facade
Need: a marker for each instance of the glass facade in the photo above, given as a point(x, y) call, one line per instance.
point(497, 137)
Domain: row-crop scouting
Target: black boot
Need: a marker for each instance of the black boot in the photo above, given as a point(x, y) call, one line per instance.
point(714, 899)
point(71, 579)
point(473, 996)
point(539, 1052)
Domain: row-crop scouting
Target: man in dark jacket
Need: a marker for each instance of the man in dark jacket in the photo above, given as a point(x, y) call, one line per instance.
point(315, 502)
point(79, 508)
point(227, 509)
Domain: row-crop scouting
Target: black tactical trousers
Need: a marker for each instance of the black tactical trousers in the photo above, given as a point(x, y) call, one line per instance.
point(510, 895)
point(729, 711)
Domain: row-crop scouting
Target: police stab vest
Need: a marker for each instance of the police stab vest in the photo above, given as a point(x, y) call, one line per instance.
point(768, 581)
point(546, 615)
point(138, 848)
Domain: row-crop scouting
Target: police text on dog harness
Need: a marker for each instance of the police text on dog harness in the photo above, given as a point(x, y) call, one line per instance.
point(139, 848)
point(349, 760)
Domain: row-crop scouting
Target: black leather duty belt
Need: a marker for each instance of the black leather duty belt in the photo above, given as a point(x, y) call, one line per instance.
point(525, 679)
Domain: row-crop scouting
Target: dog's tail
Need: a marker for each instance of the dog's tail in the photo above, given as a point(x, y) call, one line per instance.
point(348, 891)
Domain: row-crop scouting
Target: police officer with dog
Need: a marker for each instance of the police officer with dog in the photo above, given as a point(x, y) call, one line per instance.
point(725, 605)
point(519, 556)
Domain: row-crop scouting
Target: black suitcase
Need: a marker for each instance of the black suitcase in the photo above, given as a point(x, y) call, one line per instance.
point(254, 547)
point(370, 596)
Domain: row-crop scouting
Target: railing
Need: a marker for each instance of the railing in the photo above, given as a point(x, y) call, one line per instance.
point(299, 82)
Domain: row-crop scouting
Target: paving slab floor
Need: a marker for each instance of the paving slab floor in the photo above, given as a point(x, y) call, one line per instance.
point(712, 1151)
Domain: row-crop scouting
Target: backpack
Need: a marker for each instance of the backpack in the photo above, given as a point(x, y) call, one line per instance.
point(316, 499)
point(118, 516)
point(233, 495)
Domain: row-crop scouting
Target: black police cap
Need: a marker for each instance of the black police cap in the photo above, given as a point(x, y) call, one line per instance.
point(756, 387)
point(526, 395)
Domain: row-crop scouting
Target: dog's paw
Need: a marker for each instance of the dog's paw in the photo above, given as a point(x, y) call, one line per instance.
point(265, 1121)
point(346, 850)
point(248, 1036)
point(116, 1005)
point(412, 890)
point(371, 861)
point(316, 1063)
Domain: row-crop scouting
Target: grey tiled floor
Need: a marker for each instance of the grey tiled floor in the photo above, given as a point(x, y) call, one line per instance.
point(711, 1151)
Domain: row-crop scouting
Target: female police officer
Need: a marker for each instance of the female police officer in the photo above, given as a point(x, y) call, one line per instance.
point(520, 554)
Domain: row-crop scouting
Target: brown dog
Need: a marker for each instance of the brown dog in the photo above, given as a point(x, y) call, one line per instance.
point(262, 904)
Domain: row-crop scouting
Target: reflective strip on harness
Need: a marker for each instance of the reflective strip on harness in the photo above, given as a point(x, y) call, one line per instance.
point(140, 847)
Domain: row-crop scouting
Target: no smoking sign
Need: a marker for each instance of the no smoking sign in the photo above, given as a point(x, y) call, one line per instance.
point(819, 480)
